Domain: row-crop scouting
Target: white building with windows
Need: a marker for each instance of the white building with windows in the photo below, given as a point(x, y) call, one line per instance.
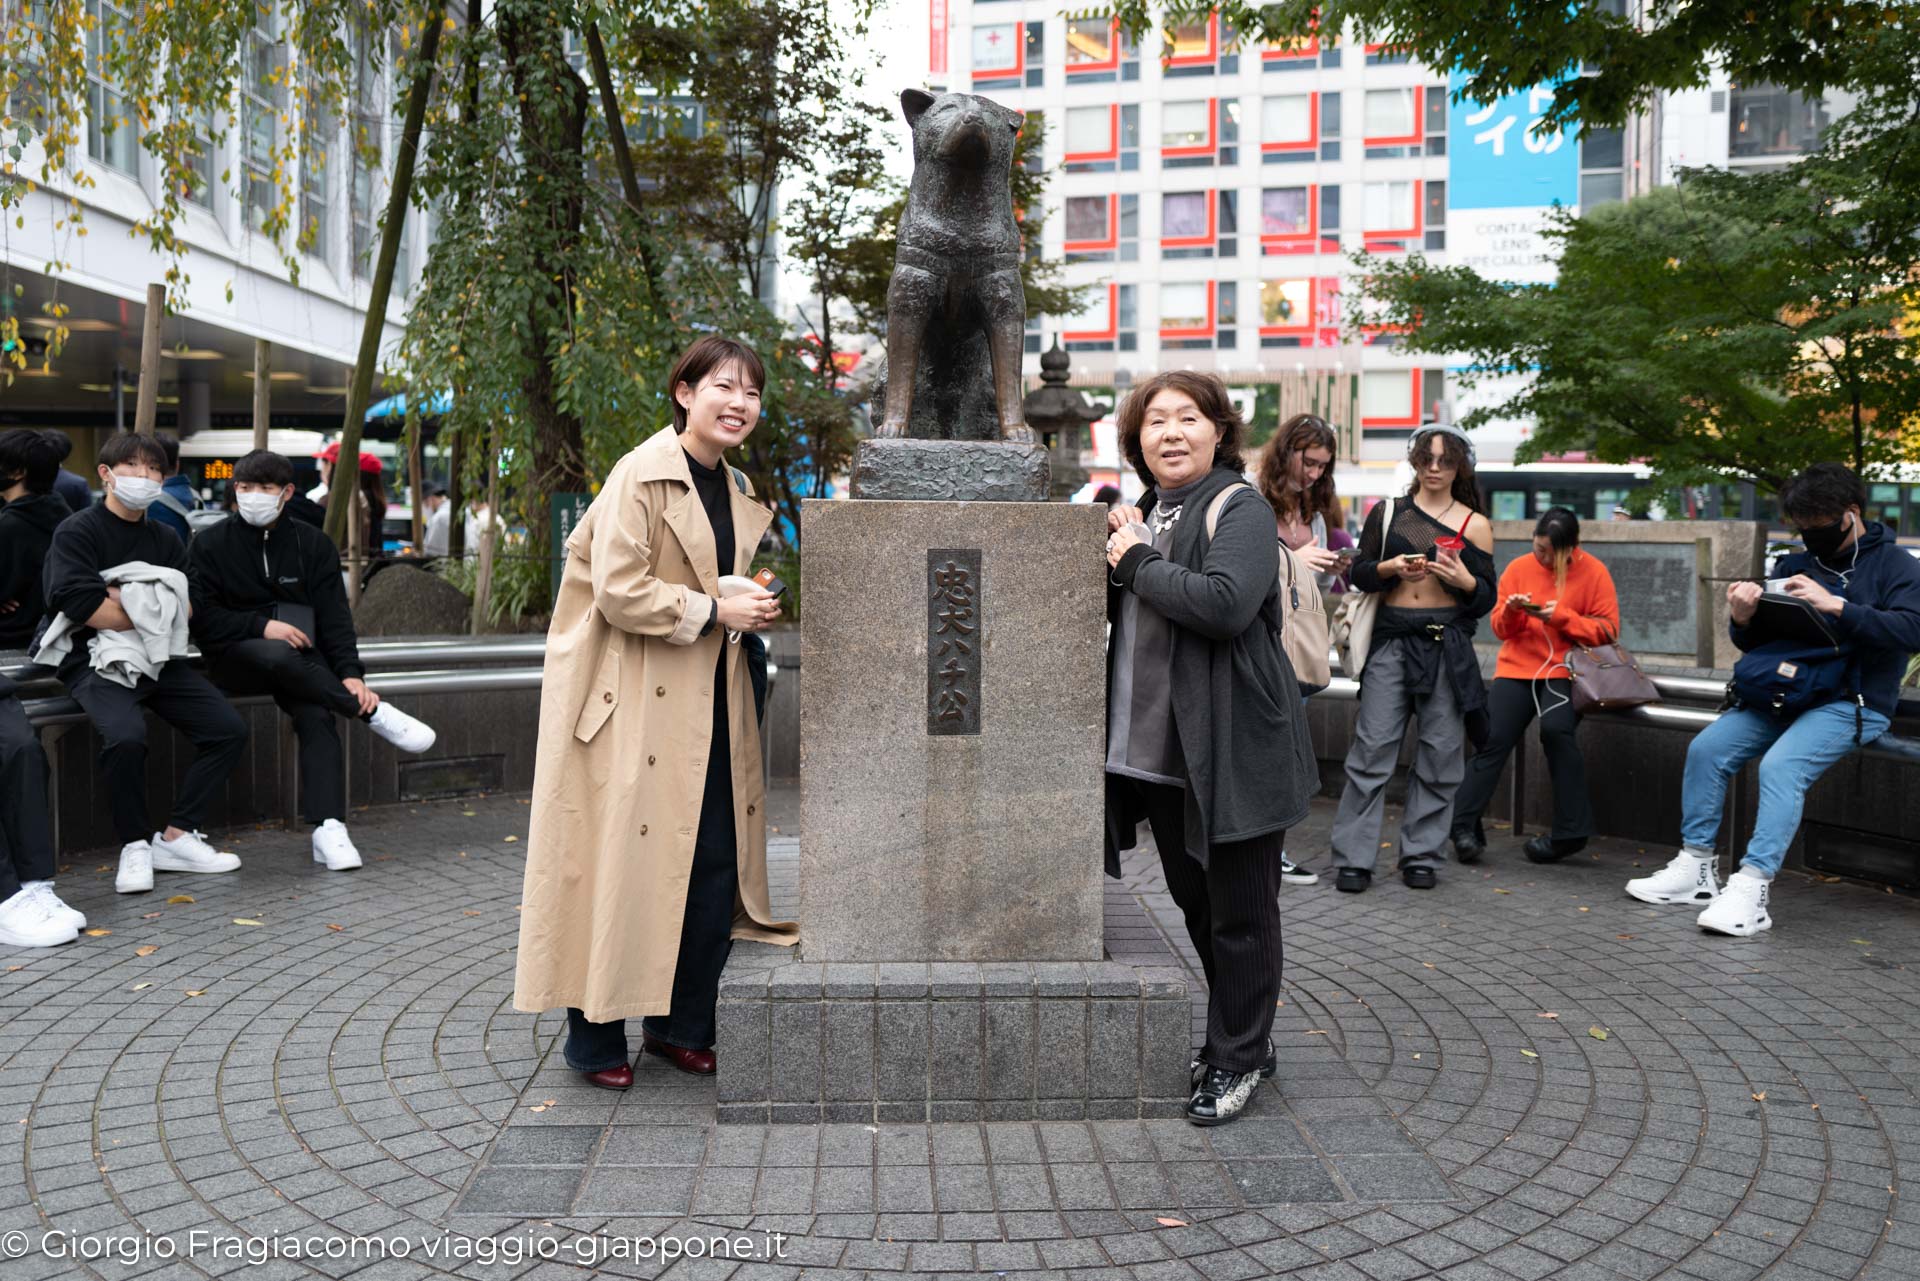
point(239, 287)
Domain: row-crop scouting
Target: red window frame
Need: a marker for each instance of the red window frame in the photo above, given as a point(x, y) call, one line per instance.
point(1390, 241)
point(1409, 140)
point(1211, 56)
point(1213, 290)
point(1112, 240)
point(1313, 116)
point(1113, 141)
point(1310, 49)
point(1206, 241)
point(1212, 145)
point(1303, 326)
point(1019, 69)
point(1112, 62)
point(1110, 333)
point(1412, 418)
point(1298, 242)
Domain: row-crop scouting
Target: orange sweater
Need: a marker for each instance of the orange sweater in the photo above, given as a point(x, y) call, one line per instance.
point(1587, 613)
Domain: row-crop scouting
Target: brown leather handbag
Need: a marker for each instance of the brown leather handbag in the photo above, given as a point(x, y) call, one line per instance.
point(1607, 677)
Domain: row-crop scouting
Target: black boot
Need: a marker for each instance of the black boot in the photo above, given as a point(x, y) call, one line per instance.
point(1468, 846)
point(1543, 849)
point(1353, 880)
point(1419, 878)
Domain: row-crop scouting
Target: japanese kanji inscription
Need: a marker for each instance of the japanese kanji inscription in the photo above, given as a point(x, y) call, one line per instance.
point(954, 651)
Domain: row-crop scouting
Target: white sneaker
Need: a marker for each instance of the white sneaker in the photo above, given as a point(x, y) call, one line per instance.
point(136, 868)
point(55, 904)
point(1688, 878)
point(1293, 874)
point(189, 852)
point(1741, 908)
point(400, 729)
point(332, 846)
point(27, 921)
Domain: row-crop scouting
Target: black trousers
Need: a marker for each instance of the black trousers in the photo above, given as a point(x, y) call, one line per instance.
point(26, 839)
point(1510, 707)
point(1232, 910)
point(299, 682)
point(182, 698)
point(706, 929)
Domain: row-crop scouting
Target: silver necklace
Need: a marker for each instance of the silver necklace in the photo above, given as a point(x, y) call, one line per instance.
point(1165, 518)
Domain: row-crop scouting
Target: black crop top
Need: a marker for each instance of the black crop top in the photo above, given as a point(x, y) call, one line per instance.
point(1413, 534)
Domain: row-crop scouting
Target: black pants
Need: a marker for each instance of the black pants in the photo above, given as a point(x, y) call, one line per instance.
point(183, 699)
point(26, 840)
point(706, 930)
point(1510, 706)
point(299, 682)
point(1232, 910)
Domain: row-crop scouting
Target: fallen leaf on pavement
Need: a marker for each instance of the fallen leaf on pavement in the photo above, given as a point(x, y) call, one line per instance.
point(1428, 964)
point(1498, 890)
point(1597, 1033)
point(246, 920)
point(150, 916)
point(1760, 1097)
point(1171, 1223)
point(1546, 1014)
point(1861, 942)
point(146, 950)
point(538, 1107)
point(140, 987)
point(1586, 909)
point(196, 991)
point(12, 968)
point(1628, 937)
point(1317, 1032)
point(511, 839)
point(466, 813)
point(469, 913)
point(181, 898)
point(336, 928)
point(1530, 1054)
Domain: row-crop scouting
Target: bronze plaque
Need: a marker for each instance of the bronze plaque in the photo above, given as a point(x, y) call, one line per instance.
point(954, 652)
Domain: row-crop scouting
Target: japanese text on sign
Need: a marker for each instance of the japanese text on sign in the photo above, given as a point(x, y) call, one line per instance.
point(953, 641)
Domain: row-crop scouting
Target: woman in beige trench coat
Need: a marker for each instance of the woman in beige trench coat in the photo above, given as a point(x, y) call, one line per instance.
point(648, 849)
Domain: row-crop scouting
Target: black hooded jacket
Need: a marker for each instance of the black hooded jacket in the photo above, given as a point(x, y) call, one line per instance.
point(26, 530)
point(245, 571)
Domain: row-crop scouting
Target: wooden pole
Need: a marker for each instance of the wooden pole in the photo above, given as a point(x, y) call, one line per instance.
point(456, 522)
point(262, 390)
point(417, 481)
point(356, 530)
point(483, 580)
point(149, 390)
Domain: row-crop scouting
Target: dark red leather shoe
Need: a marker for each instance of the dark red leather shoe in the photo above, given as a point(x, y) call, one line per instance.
point(613, 1078)
point(698, 1062)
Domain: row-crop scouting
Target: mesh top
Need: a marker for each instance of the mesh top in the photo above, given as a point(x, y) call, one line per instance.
point(1412, 534)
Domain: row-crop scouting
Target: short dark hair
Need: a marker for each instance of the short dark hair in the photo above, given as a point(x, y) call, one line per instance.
point(172, 445)
point(127, 447)
point(1209, 396)
point(31, 455)
point(706, 355)
point(1560, 527)
point(263, 467)
point(1824, 490)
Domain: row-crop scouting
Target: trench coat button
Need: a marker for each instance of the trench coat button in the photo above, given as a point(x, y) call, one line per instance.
point(607, 697)
point(649, 760)
point(660, 691)
point(749, 811)
point(643, 829)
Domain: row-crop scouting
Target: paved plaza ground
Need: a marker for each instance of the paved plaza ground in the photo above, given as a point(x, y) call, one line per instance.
point(1521, 1074)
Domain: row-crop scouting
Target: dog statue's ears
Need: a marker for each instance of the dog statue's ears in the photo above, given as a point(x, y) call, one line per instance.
point(1014, 118)
point(914, 103)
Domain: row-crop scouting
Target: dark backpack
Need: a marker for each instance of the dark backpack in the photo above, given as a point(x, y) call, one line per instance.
point(1784, 678)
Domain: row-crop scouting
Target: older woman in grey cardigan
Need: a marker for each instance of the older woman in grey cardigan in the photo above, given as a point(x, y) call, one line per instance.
point(1206, 739)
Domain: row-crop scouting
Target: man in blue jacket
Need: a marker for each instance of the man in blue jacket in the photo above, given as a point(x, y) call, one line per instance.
point(1866, 588)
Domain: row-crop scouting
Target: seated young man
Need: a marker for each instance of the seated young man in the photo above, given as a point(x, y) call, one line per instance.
point(112, 533)
point(29, 461)
point(1867, 589)
point(276, 622)
point(31, 914)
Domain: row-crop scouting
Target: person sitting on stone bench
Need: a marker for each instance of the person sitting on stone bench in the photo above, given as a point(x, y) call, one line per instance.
point(277, 622)
point(1802, 710)
point(116, 534)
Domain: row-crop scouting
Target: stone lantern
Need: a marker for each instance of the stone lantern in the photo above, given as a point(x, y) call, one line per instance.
point(1058, 415)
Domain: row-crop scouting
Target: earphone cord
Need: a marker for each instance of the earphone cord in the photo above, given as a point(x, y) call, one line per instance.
point(1533, 688)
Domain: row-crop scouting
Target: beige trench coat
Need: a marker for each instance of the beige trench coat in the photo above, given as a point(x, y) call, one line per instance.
point(626, 720)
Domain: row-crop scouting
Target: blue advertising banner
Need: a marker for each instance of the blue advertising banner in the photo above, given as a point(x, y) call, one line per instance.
point(1496, 161)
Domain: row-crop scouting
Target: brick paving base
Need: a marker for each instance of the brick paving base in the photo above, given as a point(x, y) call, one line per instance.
point(352, 1066)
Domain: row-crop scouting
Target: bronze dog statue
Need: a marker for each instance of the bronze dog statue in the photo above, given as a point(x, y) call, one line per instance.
point(956, 307)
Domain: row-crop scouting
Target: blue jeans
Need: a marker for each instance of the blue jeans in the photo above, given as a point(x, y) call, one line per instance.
point(1797, 753)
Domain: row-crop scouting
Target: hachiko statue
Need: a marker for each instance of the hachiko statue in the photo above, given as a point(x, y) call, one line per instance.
point(956, 310)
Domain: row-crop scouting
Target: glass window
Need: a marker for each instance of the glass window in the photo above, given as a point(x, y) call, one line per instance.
point(260, 106)
point(1330, 115)
point(1386, 393)
point(365, 145)
point(1190, 39)
point(1036, 58)
point(1600, 189)
point(1089, 130)
point(1436, 121)
point(1763, 120)
point(1087, 218)
point(1284, 212)
point(200, 169)
point(1287, 118)
point(1183, 214)
point(1387, 206)
point(1183, 305)
point(112, 137)
point(1390, 113)
point(1286, 304)
point(1330, 207)
point(1090, 40)
point(1435, 201)
point(315, 181)
point(1600, 148)
point(1185, 124)
point(996, 48)
point(1129, 298)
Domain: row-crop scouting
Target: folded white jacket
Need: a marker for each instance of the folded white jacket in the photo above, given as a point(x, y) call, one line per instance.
point(155, 598)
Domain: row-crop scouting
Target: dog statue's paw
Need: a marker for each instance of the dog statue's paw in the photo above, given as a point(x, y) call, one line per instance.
point(890, 430)
point(1016, 433)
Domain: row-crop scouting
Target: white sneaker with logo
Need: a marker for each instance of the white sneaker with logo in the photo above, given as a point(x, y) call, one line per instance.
point(27, 921)
point(332, 846)
point(189, 852)
point(400, 729)
point(1688, 878)
point(136, 868)
point(55, 904)
point(1741, 908)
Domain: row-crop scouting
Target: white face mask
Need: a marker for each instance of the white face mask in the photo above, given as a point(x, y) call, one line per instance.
point(258, 509)
point(135, 493)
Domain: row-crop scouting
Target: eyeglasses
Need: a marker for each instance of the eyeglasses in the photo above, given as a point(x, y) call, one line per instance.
point(1430, 463)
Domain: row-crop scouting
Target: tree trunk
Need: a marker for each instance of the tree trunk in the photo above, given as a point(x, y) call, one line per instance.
point(396, 220)
point(262, 391)
point(149, 390)
point(617, 136)
point(456, 484)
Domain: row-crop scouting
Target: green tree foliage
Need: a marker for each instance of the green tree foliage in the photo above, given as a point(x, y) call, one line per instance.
point(1741, 324)
point(1808, 45)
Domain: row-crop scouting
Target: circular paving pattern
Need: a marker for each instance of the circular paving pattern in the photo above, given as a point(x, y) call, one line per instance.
point(1594, 1088)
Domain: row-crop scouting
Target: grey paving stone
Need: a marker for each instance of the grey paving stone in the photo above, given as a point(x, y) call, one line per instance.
point(519, 1192)
point(1284, 1180)
point(654, 1145)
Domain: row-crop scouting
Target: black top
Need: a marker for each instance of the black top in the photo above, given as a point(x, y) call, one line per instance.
point(245, 571)
point(26, 530)
point(93, 541)
point(713, 484)
point(1413, 534)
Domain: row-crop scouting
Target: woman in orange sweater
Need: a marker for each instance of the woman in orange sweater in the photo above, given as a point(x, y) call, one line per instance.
point(1550, 602)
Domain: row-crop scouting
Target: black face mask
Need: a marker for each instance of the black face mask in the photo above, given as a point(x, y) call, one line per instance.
point(1826, 540)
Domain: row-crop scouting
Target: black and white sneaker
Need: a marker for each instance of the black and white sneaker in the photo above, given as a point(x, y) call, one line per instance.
point(1220, 1095)
point(1267, 1069)
point(1293, 874)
